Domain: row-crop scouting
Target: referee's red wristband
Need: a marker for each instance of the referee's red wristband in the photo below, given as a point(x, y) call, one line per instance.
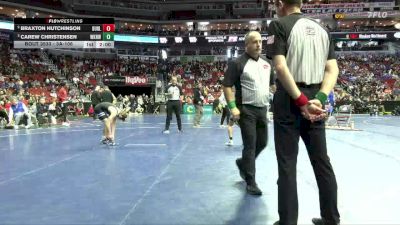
point(302, 100)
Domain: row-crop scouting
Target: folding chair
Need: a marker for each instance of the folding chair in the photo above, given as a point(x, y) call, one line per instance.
point(156, 109)
point(343, 117)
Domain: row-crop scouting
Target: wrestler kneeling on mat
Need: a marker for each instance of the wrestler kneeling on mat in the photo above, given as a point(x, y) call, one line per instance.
point(108, 113)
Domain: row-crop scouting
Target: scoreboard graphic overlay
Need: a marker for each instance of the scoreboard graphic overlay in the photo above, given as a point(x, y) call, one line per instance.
point(64, 33)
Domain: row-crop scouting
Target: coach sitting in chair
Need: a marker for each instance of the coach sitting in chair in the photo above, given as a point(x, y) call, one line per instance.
point(18, 111)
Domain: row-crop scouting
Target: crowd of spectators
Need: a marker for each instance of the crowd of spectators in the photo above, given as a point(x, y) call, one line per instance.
point(74, 67)
point(30, 91)
point(368, 79)
point(190, 74)
point(238, 31)
point(185, 32)
point(137, 104)
point(26, 82)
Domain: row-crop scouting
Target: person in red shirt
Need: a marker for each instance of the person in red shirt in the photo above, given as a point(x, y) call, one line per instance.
point(7, 104)
point(62, 96)
point(62, 93)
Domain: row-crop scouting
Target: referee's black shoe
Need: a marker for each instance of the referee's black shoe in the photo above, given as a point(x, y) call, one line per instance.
point(239, 166)
point(253, 189)
point(316, 221)
point(319, 221)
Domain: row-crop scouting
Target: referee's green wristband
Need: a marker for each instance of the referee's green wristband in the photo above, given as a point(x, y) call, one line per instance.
point(322, 97)
point(232, 104)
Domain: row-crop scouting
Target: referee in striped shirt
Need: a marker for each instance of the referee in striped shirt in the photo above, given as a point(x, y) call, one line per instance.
point(251, 75)
point(303, 55)
point(174, 95)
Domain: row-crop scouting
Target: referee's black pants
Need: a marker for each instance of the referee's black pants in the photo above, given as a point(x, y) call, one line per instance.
point(64, 109)
point(289, 126)
point(254, 128)
point(226, 114)
point(173, 106)
point(3, 114)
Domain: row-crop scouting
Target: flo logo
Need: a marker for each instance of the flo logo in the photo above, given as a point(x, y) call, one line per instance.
point(379, 15)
